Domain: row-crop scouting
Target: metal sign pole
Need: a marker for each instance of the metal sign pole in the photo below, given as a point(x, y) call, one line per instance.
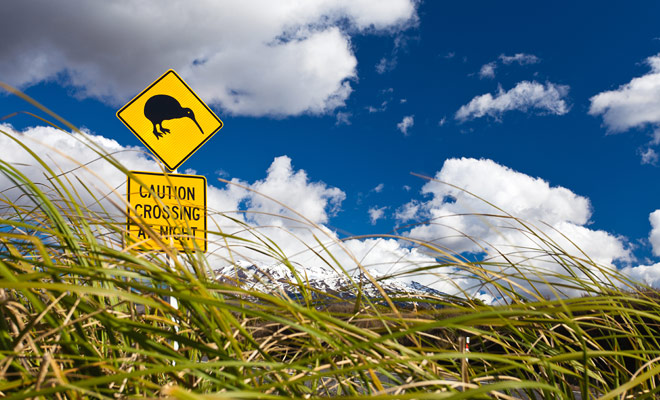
point(173, 301)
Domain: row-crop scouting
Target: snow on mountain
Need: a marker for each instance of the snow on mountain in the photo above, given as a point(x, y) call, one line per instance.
point(280, 278)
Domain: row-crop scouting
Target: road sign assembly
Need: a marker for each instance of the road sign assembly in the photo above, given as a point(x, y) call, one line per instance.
point(170, 119)
point(173, 206)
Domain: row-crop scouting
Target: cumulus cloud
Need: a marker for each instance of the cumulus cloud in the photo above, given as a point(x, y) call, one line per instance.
point(646, 274)
point(74, 154)
point(457, 220)
point(255, 57)
point(406, 124)
point(649, 274)
point(654, 237)
point(549, 98)
point(634, 104)
point(314, 200)
point(379, 188)
point(488, 70)
point(239, 204)
point(519, 58)
point(286, 206)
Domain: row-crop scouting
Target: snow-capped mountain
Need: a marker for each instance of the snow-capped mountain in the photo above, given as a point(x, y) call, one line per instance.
point(322, 283)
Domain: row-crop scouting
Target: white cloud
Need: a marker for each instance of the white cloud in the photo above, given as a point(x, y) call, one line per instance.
point(314, 200)
point(222, 173)
point(646, 274)
point(635, 104)
point(255, 57)
point(379, 188)
point(381, 66)
point(654, 236)
point(343, 118)
point(442, 122)
point(530, 198)
point(65, 152)
point(388, 64)
point(383, 107)
point(385, 65)
point(241, 210)
point(376, 213)
point(655, 140)
point(520, 58)
point(649, 156)
point(549, 98)
point(460, 222)
point(649, 274)
point(406, 124)
point(408, 211)
point(488, 70)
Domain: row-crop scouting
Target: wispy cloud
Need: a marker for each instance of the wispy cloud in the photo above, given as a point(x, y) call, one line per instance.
point(408, 211)
point(386, 64)
point(488, 70)
point(549, 98)
point(343, 118)
point(381, 108)
point(406, 124)
point(376, 213)
point(649, 156)
point(519, 58)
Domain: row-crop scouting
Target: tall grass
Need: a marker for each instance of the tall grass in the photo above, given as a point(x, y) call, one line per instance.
point(84, 315)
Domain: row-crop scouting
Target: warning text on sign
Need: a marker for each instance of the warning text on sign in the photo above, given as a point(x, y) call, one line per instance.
point(173, 206)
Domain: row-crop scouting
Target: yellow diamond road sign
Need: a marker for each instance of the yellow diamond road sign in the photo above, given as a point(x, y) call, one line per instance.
point(172, 206)
point(170, 119)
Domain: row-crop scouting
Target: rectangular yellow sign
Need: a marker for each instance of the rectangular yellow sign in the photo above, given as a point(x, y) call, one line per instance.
point(172, 205)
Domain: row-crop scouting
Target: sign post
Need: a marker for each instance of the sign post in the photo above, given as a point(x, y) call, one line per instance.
point(172, 205)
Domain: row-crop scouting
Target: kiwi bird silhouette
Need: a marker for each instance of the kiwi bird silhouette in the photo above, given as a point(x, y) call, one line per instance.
point(162, 107)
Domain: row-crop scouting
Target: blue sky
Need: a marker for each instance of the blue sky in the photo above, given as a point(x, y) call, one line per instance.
point(381, 99)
